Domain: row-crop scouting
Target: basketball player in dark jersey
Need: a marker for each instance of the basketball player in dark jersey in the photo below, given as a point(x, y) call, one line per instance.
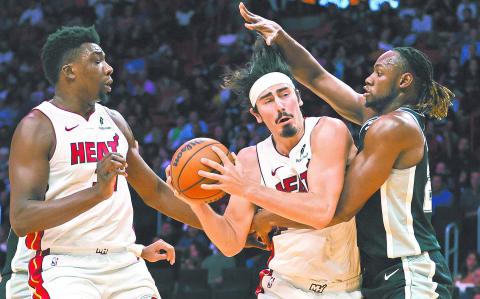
point(387, 186)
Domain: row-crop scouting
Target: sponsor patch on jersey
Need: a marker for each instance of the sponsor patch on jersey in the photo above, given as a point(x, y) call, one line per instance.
point(317, 288)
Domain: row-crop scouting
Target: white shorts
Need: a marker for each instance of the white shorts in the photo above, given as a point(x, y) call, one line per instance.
point(276, 287)
point(17, 287)
point(94, 276)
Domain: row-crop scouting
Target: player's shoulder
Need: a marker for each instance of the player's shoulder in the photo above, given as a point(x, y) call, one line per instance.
point(396, 126)
point(330, 122)
point(114, 114)
point(35, 125)
point(121, 122)
point(35, 131)
point(330, 127)
point(248, 154)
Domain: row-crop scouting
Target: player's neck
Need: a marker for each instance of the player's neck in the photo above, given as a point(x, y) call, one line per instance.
point(400, 101)
point(284, 145)
point(73, 104)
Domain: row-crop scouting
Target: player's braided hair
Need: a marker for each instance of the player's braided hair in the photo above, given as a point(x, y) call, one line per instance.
point(62, 46)
point(434, 98)
point(265, 59)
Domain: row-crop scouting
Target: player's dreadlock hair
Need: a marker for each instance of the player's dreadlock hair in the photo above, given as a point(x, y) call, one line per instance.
point(434, 99)
point(62, 46)
point(265, 59)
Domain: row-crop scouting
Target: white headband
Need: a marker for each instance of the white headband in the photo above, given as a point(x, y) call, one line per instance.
point(265, 82)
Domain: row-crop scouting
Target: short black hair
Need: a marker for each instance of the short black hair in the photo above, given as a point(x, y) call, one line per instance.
point(434, 99)
point(62, 46)
point(265, 59)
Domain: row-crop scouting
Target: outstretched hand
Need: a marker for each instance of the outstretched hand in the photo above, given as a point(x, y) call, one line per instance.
point(268, 29)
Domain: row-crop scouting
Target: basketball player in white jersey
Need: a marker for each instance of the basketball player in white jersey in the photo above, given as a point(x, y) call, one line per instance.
point(300, 168)
point(71, 160)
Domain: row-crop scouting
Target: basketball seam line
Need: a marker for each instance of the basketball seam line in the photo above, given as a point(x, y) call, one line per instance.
point(186, 162)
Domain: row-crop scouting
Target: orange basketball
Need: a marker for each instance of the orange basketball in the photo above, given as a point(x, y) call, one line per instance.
point(186, 164)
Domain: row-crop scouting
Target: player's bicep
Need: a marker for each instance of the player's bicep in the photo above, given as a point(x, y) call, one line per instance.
point(28, 163)
point(368, 171)
point(326, 170)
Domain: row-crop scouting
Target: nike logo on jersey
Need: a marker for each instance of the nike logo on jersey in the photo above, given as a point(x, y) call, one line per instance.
point(275, 170)
point(69, 129)
point(390, 275)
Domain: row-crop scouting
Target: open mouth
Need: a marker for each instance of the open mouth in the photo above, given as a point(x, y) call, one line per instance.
point(283, 120)
point(108, 84)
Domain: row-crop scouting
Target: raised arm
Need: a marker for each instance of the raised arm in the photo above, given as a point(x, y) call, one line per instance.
point(33, 144)
point(308, 71)
point(151, 188)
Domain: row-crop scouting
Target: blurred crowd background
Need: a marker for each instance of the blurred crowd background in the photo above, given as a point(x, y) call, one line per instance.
point(168, 58)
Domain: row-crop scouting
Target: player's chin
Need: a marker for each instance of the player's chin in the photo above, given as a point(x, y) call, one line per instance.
point(107, 88)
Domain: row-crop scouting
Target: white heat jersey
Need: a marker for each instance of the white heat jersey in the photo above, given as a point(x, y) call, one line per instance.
point(22, 255)
point(80, 143)
point(330, 254)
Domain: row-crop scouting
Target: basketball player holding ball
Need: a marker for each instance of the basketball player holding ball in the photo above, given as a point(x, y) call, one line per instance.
point(301, 167)
point(387, 186)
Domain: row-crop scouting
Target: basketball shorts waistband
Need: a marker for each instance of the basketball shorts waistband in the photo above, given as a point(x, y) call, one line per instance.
point(84, 251)
point(323, 286)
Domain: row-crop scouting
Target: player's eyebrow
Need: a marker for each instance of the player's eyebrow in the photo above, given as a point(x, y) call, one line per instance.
point(99, 53)
point(265, 96)
point(282, 89)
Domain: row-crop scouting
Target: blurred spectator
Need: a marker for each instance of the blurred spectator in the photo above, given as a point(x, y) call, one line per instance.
point(174, 134)
point(192, 257)
point(441, 196)
point(466, 7)
point(33, 14)
point(215, 263)
point(195, 127)
point(468, 267)
point(470, 196)
point(192, 235)
point(168, 233)
point(422, 22)
point(473, 292)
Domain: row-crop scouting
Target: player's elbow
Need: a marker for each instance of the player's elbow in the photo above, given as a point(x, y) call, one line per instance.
point(230, 252)
point(323, 217)
point(19, 228)
point(20, 221)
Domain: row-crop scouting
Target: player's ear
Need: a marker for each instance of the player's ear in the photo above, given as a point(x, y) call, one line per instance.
point(300, 102)
point(68, 71)
point(256, 115)
point(406, 79)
